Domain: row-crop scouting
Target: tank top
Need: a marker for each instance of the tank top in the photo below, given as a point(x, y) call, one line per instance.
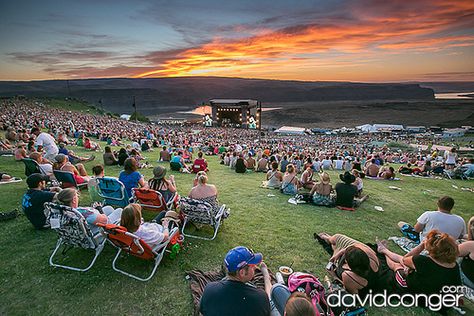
point(467, 267)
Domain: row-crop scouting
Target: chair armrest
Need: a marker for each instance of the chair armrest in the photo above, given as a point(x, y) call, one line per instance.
point(165, 243)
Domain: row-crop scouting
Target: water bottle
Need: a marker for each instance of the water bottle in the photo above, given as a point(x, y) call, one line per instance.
point(279, 278)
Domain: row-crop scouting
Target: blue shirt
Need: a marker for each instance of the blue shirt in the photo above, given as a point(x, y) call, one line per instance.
point(130, 180)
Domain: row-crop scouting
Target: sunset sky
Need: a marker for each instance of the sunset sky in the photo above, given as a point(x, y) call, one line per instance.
point(359, 40)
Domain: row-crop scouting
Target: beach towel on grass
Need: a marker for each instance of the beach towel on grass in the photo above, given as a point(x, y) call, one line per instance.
point(406, 244)
point(13, 180)
point(199, 279)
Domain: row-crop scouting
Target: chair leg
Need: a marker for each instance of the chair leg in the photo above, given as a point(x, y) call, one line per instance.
point(156, 264)
point(98, 250)
point(216, 228)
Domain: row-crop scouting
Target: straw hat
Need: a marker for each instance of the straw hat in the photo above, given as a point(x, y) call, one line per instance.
point(172, 216)
point(324, 177)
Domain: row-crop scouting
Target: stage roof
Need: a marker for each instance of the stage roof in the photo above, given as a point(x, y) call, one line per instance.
point(233, 101)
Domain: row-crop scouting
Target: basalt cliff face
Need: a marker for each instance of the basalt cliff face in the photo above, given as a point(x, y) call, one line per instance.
point(167, 95)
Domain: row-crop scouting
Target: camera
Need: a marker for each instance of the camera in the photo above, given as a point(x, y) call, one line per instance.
point(330, 265)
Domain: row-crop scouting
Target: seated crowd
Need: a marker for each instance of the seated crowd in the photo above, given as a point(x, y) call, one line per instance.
point(436, 259)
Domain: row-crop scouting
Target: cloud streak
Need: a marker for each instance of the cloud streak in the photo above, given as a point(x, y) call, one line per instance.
point(351, 35)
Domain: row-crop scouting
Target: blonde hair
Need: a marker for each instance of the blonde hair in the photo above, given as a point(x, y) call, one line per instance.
point(131, 217)
point(202, 179)
point(66, 196)
point(290, 168)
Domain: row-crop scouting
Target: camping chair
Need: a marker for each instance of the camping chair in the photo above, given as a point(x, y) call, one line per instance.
point(67, 180)
point(112, 191)
point(127, 242)
point(152, 200)
point(175, 166)
point(73, 231)
point(31, 166)
point(200, 212)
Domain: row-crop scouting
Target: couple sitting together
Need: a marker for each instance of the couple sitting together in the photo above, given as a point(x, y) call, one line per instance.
point(348, 192)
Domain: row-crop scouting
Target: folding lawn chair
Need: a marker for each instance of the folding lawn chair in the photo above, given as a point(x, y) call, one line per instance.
point(67, 180)
point(73, 231)
point(199, 212)
point(127, 242)
point(112, 191)
point(31, 166)
point(153, 200)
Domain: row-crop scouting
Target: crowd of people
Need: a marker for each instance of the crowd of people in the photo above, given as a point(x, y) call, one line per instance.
point(296, 165)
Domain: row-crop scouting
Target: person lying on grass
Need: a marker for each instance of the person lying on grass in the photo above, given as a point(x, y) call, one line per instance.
point(353, 263)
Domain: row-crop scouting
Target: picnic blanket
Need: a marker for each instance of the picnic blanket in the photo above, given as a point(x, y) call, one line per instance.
point(199, 279)
point(13, 180)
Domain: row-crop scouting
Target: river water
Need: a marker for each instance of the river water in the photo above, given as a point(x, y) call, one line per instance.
point(454, 95)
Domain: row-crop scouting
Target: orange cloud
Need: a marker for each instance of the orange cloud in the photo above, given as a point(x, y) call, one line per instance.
point(287, 48)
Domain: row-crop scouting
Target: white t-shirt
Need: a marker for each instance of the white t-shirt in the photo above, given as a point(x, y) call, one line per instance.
point(326, 163)
point(317, 166)
point(451, 224)
point(338, 164)
point(151, 233)
point(48, 143)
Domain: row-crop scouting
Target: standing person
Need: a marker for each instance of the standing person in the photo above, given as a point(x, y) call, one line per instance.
point(47, 142)
point(450, 158)
point(233, 295)
point(442, 220)
point(33, 200)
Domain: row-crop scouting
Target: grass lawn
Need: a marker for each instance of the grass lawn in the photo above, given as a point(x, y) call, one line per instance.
point(281, 231)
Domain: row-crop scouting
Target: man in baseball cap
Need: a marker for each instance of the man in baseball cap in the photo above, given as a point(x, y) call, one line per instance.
point(233, 295)
point(35, 197)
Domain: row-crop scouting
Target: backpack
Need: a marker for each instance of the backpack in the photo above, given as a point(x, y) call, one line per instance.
point(309, 284)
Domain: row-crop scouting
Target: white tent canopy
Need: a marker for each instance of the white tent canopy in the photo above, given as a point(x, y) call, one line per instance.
point(368, 128)
point(290, 130)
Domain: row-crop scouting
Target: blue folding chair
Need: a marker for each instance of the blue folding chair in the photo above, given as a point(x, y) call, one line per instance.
point(112, 191)
point(67, 180)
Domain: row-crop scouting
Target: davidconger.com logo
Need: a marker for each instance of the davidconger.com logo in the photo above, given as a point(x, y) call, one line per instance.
point(449, 296)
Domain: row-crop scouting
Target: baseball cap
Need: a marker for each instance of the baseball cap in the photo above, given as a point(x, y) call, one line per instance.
point(239, 257)
point(34, 179)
